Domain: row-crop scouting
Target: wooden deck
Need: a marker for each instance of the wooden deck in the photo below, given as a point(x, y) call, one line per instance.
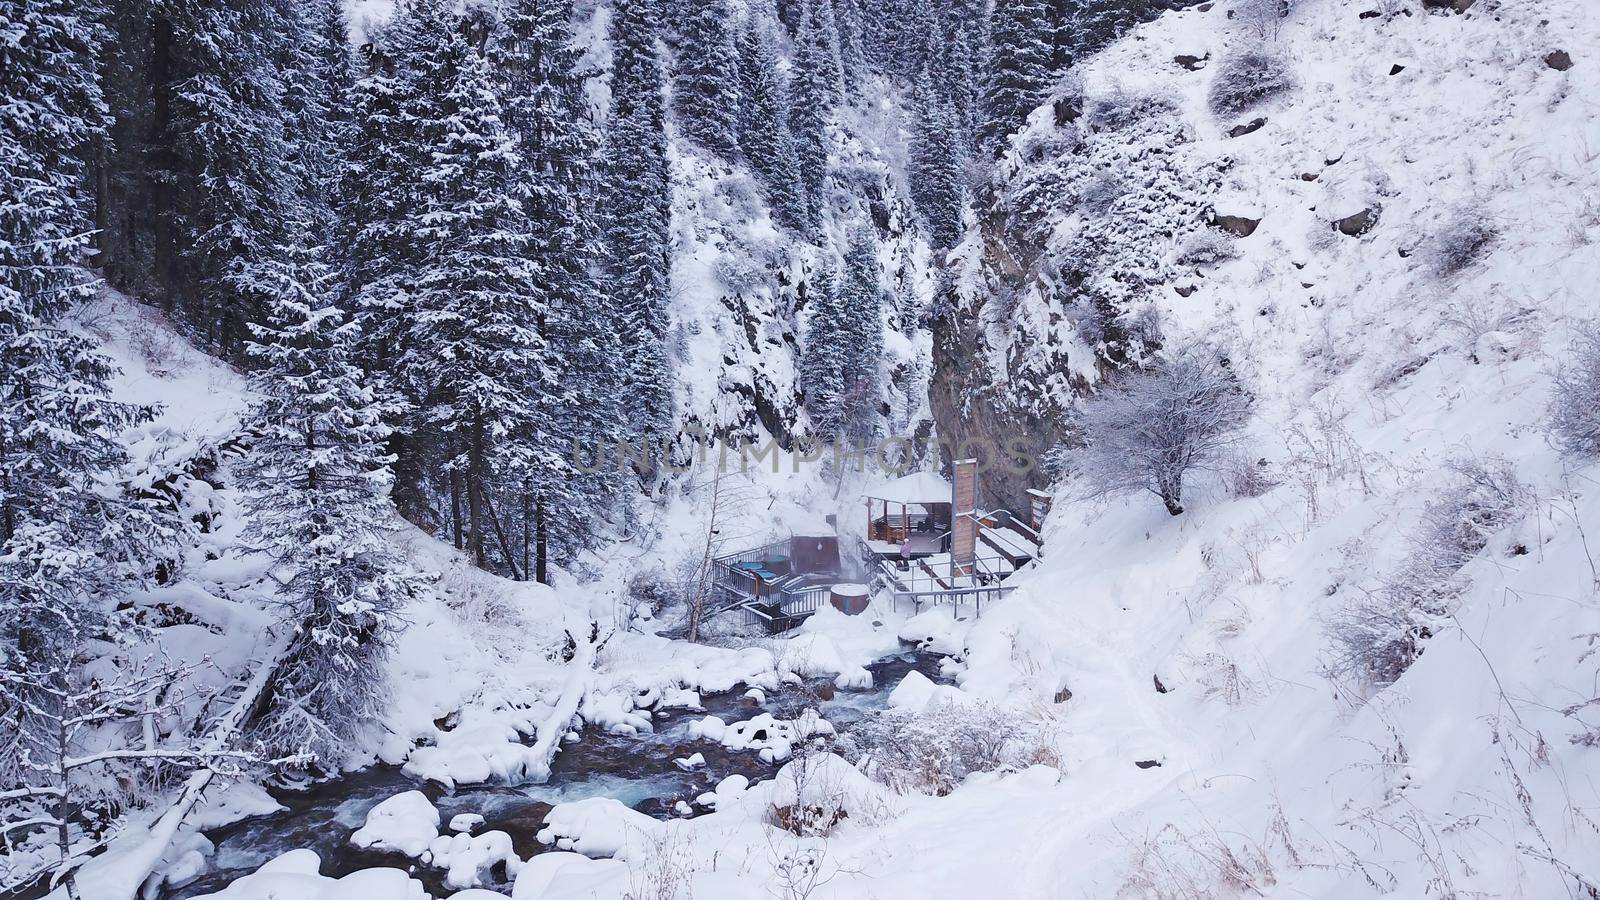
point(918, 545)
point(935, 580)
point(772, 585)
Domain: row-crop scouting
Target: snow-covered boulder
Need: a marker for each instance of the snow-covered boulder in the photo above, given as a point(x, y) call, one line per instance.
point(771, 738)
point(813, 795)
point(229, 805)
point(467, 858)
point(558, 875)
point(486, 751)
point(405, 823)
point(294, 876)
point(727, 790)
point(596, 827)
point(934, 631)
point(917, 693)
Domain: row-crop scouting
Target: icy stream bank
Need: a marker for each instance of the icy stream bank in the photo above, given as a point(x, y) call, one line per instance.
point(637, 770)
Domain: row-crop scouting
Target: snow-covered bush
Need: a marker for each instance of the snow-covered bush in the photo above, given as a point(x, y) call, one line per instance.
point(1119, 109)
point(1158, 425)
point(1575, 403)
point(1100, 191)
point(478, 601)
point(1381, 634)
point(1206, 248)
point(1247, 80)
point(931, 751)
point(1247, 477)
point(1265, 17)
point(1458, 244)
point(1172, 864)
point(656, 589)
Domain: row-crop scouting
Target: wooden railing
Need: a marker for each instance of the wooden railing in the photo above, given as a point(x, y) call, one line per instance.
point(766, 602)
point(785, 609)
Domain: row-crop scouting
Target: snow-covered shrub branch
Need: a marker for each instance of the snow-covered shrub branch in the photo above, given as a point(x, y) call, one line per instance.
point(1172, 864)
point(931, 751)
point(1378, 636)
point(97, 746)
point(1151, 430)
point(1575, 402)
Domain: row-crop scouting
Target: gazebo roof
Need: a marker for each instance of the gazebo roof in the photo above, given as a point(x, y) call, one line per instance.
point(923, 488)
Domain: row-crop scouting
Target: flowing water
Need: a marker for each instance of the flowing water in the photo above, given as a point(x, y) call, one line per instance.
point(634, 769)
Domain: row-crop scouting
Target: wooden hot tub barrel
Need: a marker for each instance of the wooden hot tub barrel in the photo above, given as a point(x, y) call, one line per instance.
point(850, 599)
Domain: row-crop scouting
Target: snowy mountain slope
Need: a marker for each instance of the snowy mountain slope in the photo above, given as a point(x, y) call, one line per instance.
point(1372, 368)
point(741, 286)
point(1197, 645)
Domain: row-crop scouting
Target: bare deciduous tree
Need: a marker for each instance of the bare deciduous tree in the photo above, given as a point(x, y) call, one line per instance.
point(727, 498)
point(1155, 427)
point(94, 745)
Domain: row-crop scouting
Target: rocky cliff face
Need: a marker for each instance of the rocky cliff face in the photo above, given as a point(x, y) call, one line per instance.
point(1092, 214)
point(743, 290)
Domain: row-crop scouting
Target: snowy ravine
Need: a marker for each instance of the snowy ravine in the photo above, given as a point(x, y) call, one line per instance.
point(1190, 741)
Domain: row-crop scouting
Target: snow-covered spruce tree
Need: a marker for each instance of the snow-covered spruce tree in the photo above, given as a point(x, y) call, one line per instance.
point(637, 195)
point(1017, 69)
point(124, 238)
point(823, 37)
point(840, 369)
point(958, 77)
point(705, 78)
point(1080, 27)
point(382, 193)
point(68, 532)
point(822, 364)
point(934, 167)
point(860, 299)
point(908, 38)
point(1152, 429)
point(895, 35)
point(852, 44)
point(475, 357)
point(317, 477)
point(1574, 417)
point(764, 126)
point(539, 69)
point(231, 187)
point(318, 78)
point(810, 110)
